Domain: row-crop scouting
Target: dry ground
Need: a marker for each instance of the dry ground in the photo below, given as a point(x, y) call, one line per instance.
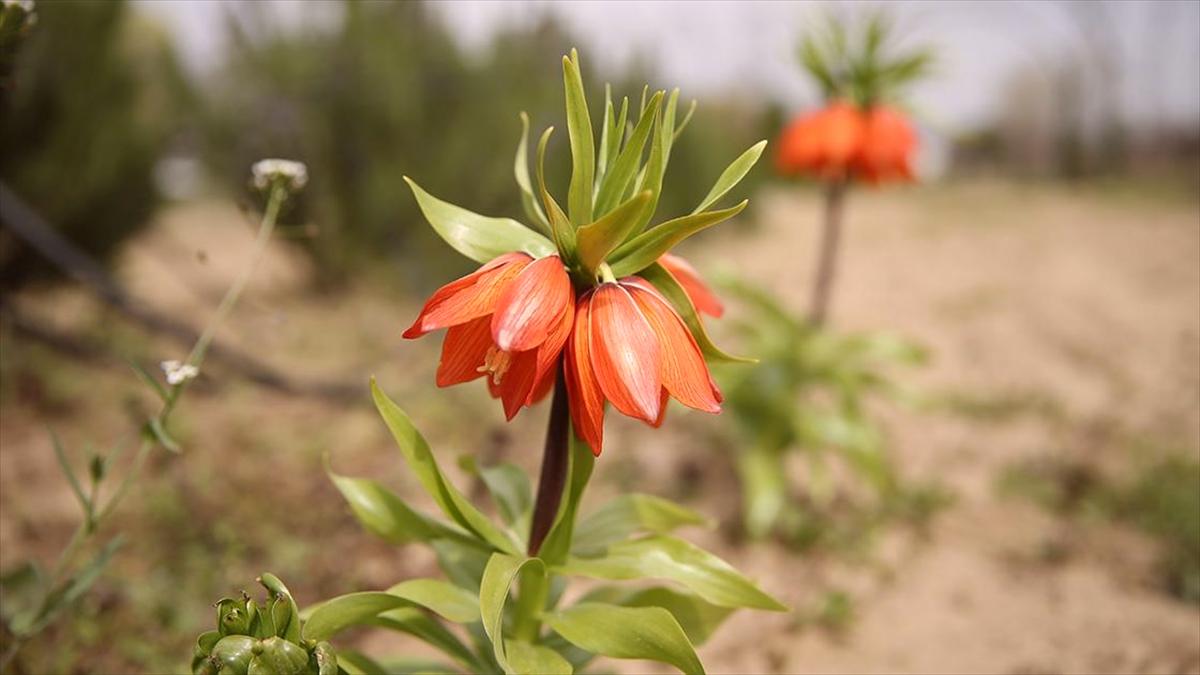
point(1082, 302)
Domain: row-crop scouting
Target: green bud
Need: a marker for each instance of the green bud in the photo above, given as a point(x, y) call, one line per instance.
point(201, 662)
point(234, 653)
point(234, 617)
point(279, 657)
point(326, 659)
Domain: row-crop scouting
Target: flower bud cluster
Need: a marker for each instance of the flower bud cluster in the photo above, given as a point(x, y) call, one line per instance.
point(261, 639)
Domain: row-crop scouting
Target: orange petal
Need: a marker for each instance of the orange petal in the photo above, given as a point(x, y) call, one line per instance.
point(517, 382)
point(684, 373)
point(542, 387)
point(662, 413)
point(468, 298)
point(584, 397)
point(550, 351)
point(700, 294)
point(531, 305)
point(625, 353)
point(463, 352)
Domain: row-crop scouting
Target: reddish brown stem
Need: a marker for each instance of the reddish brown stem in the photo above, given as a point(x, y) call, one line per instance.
point(827, 262)
point(554, 466)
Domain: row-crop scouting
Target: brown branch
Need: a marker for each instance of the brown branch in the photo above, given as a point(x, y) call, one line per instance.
point(28, 225)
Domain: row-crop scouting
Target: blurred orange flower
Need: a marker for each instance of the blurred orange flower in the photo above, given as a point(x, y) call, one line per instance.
point(888, 146)
point(843, 141)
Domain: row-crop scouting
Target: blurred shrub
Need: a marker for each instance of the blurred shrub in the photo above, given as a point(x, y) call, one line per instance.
point(1162, 498)
point(93, 96)
point(387, 93)
point(811, 396)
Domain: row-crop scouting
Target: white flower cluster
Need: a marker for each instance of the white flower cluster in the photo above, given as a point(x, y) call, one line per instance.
point(178, 373)
point(266, 171)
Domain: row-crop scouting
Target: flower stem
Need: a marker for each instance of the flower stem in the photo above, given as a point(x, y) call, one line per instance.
point(555, 461)
point(88, 529)
point(827, 262)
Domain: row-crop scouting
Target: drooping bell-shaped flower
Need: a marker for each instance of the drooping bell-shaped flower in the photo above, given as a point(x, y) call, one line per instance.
point(509, 321)
point(693, 284)
point(630, 348)
point(823, 143)
point(888, 145)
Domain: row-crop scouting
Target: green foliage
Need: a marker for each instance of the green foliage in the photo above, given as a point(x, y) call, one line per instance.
point(389, 93)
point(92, 99)
point(261, 639)
point(1162, 498)
point(811, 394)
point(859, 67)
point(627, 539)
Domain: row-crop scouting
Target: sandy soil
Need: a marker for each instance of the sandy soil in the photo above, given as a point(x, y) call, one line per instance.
point(1086, 300)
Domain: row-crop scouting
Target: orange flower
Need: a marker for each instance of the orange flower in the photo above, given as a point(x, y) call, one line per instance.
point(841, 140)
point(888, 145)
point(700, 294)
point(630, 348)
point(825, 142)
point(508, 320)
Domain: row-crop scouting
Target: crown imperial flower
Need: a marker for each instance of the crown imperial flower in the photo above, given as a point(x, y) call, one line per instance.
point(547, 298)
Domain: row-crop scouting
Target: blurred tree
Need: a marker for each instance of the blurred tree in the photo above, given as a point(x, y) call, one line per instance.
point(91, 102)
point(387, 93)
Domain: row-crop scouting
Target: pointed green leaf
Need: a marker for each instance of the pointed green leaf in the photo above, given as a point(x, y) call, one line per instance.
point(625, 167)
point(529, 659)
point(155, 431)
point(560, 225)
point(699, 619)
point(579, 128)
point(463, 564)
point(521, 171)
point(420, 625)
point(627, 633)
point(493, 595)
point(668, 286)
point(606, 131)
point(419, 458)
point(507, 484)
point(732, 175)
point(480, 238)
point(385, 515)
point(447, 600)
point(660, 155)
point(631, 514)
point(645, 249)
point(336, 615)
point(687, 117)
point(149, 380)
point(558, 541)
point(71, 589)
point(357, 663)
point(598, 239)
point(671, 559)
point(616, 136)
point(60, 454)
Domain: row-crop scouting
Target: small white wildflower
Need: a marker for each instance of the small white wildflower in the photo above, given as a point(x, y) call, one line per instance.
point(178, 373)
point(266, 171)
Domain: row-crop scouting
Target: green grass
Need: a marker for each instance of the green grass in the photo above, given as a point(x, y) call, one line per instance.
point(1160, 497)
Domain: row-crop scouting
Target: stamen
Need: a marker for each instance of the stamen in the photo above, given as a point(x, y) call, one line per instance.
point(495, 362)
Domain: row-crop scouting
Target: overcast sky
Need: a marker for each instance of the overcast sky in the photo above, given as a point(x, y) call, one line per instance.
point(747, 47)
